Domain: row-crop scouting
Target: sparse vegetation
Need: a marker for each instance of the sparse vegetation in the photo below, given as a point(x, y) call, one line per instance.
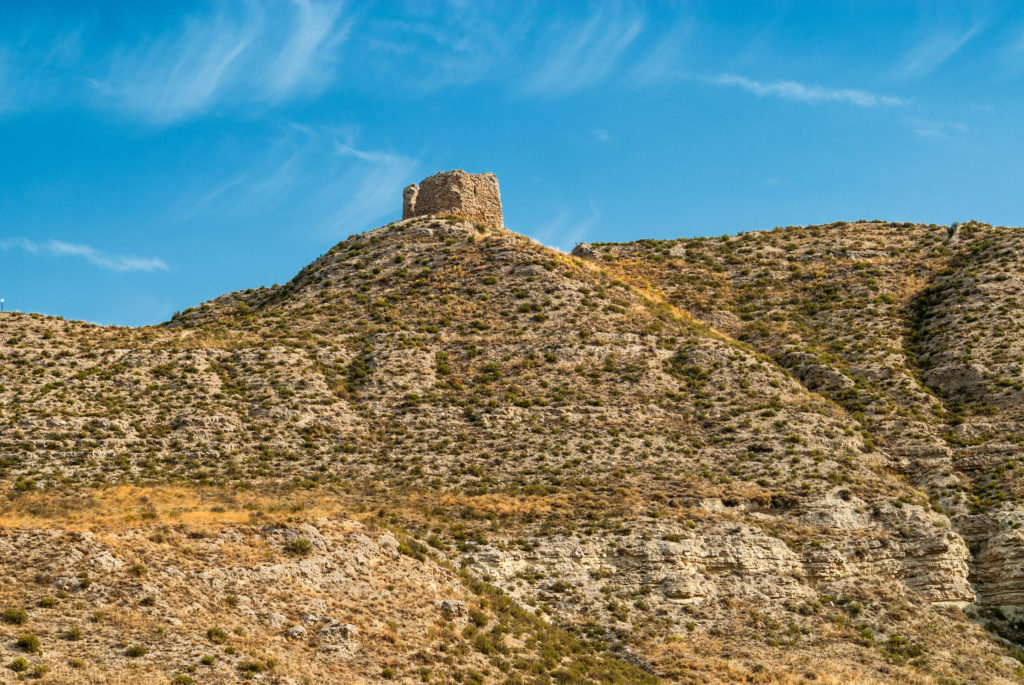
point(569, 429)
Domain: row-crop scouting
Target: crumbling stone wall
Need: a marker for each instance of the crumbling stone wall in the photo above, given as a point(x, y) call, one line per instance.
point(474, 196)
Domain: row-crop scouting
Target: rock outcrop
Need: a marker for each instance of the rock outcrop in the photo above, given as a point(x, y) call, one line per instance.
point(473, 196)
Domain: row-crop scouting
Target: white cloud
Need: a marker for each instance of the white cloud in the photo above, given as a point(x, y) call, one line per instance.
point(225, 57)
point(566, 230)
point(935, 129)
point(601, 135)
point(58, 248)
point(377, 189)
point(663, 62)
point(308, 55)
point(319, 178)
point(811, 94)
point(437, 45)
point(34, 68)
point(931, 53)
point(585, 55)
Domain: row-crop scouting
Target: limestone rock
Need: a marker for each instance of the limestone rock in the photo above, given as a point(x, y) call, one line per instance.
point(296, 632)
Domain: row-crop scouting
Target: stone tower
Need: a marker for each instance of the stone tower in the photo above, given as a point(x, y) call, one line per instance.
point(474, 196)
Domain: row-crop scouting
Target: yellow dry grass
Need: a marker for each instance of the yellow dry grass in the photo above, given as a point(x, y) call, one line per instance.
point(127, 506)
point(123, 507)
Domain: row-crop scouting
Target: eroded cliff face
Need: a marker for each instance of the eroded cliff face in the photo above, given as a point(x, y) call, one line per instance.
point(733, 552)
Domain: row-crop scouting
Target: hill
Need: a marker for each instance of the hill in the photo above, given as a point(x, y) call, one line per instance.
point(446, 453)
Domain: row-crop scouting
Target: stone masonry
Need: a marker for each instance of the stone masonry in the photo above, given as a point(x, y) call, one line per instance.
point(474, 196)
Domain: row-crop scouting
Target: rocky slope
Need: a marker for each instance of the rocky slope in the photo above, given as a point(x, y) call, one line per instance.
point(772, 457)
point(914, 329)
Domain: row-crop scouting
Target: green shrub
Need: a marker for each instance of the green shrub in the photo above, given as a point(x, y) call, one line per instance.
point(257, 665)
point(136, 651)
point(28, 642)
point(217, 636)
point(15, 615)
point(300, 547)
point(19, 665)
point(413, 549)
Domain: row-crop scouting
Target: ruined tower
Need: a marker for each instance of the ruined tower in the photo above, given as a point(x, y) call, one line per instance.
point(474, 196)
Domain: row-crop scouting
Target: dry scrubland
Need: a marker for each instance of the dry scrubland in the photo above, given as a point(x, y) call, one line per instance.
point(444, 453)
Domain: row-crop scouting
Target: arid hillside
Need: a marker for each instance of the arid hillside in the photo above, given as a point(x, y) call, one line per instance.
point(445, 453)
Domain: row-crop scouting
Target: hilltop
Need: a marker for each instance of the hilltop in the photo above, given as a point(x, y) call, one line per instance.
point(445, 453)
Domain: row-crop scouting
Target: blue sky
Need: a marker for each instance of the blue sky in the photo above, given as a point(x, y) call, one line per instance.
point(153, 155)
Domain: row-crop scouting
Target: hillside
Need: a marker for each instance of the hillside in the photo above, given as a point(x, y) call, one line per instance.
point(775, 457)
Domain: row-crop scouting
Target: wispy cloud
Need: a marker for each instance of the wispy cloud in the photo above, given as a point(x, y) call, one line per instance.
point(935, 129)
point(58, 248)
point(439, 45)
point(932, 52)
point(566, 229)
point(240, 57)
point(663, 62)
point(382, 176)
point(586, 54)
point(318, 177)
point(34, 68)
point(811, 94)
point(601, 135)
point(308, 54)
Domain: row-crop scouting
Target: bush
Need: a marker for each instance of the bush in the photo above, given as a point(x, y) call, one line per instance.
point(413, 549)
point(135, 651)
point(28, 642)
point(19, 665)
point(74, 633)
point(16, 616)
point(257, 666)
point(217, 636)
point(300, 547)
